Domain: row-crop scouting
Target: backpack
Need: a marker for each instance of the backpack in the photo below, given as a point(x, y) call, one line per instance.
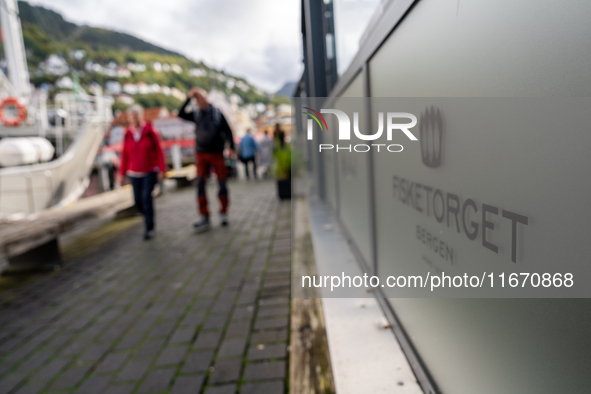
point(217, 116)
point(208, 137)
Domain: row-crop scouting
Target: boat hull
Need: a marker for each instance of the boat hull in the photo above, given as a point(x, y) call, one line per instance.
point(33, 188)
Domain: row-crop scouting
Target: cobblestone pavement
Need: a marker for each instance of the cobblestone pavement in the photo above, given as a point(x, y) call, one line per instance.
point(182, 313)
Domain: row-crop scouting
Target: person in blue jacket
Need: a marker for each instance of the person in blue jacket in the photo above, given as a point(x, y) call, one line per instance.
point(248, 150)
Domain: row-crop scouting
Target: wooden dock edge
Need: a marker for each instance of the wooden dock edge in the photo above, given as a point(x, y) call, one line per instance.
point(184, 177)
point(310, 370)
point(43, 229)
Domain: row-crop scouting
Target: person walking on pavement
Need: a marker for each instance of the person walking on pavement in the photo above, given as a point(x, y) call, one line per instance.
point(248, 150)
point(266, 147)
point(142, 160)
point(277, 132)
point(212, 132)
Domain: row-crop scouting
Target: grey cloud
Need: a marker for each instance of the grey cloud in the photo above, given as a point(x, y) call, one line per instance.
point(255, 39)
point(273, 67)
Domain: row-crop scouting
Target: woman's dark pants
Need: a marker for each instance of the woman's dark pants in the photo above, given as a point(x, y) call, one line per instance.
point(142, 193)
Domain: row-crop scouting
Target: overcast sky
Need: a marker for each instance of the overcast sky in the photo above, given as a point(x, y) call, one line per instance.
point(255, 39)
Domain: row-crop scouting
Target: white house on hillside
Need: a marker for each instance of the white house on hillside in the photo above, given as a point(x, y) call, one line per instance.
point(55, 65)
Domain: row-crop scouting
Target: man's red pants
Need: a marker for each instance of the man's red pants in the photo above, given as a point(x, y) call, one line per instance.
point(205, 161)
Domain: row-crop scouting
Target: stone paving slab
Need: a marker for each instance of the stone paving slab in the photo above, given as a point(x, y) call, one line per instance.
point(182, 313)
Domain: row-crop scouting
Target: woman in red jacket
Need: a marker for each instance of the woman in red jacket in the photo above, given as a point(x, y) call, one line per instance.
point(142, 160)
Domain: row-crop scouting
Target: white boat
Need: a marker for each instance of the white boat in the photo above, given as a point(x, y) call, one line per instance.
point(27, 189)
point(25, 150)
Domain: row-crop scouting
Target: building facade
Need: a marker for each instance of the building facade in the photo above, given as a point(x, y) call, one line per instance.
point(456, 49)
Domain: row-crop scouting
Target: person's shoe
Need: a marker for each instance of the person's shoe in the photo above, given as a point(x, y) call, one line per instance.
point(224, 219)
point(202, 224)
point(149, 235)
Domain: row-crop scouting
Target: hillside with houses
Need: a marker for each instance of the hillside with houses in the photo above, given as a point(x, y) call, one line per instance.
point(65, 56)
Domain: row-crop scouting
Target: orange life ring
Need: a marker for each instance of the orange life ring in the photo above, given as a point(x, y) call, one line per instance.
point(22, 111)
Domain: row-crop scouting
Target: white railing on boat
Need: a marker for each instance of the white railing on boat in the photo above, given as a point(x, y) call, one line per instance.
point(32, 188)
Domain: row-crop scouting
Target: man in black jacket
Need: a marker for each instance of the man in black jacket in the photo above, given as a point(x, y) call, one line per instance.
point(212, 132)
